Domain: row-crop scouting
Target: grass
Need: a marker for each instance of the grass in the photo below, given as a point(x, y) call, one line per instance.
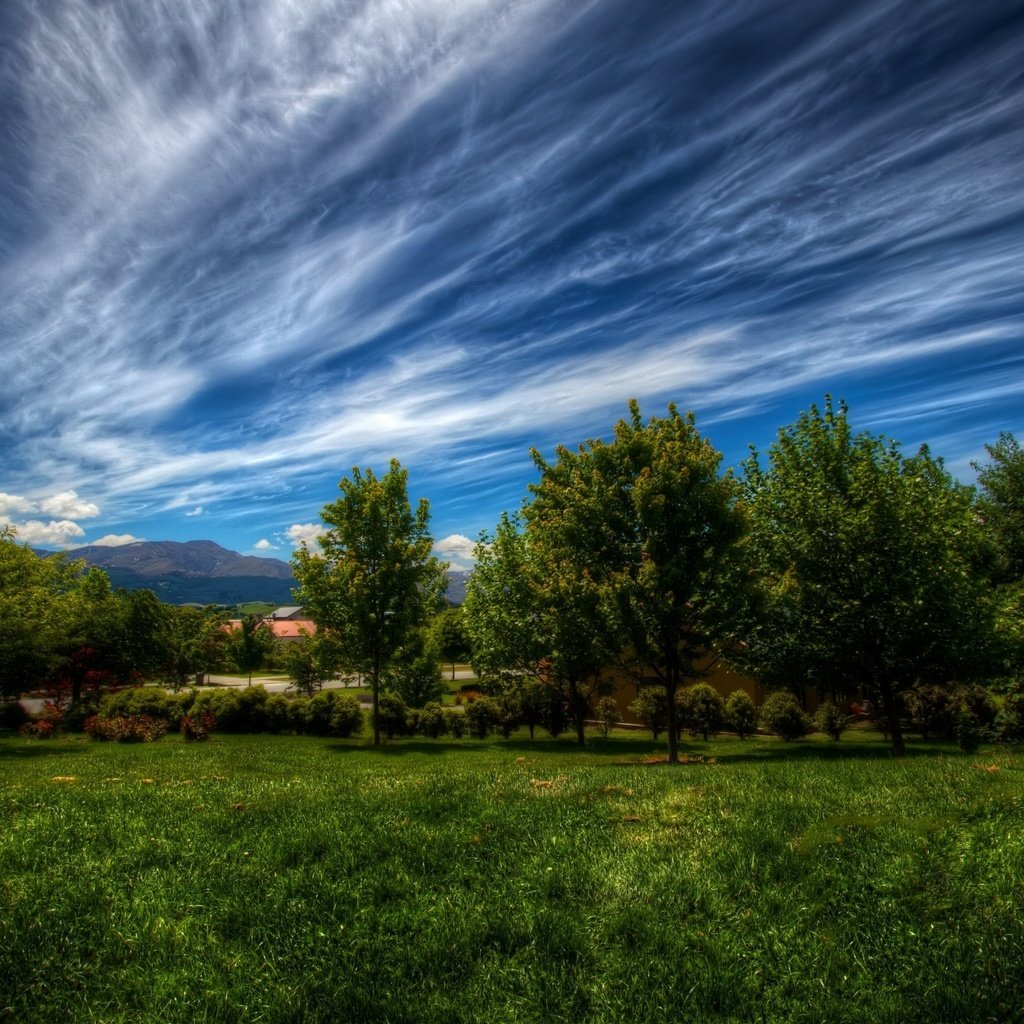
point(297, 879)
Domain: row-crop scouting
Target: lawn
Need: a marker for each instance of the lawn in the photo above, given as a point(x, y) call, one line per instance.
point(299, 879)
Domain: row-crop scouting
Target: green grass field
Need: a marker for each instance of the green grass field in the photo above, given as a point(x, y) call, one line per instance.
point(298, 879)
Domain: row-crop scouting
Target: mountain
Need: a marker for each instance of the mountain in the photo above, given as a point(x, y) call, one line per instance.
point(202, 572)
point(198, 571)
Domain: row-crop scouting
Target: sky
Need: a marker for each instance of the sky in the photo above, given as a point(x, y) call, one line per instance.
point(246, 245)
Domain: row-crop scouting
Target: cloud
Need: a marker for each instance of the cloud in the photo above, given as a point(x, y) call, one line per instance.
point(264, 545)
point(56, 533)
point(15, 503)
point(306, 533)
point(456, 549)
point(197, 511)
point(68, 505)
point(116, 540)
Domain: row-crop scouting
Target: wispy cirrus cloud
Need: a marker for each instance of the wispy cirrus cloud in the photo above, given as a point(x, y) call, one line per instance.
point(251, 247)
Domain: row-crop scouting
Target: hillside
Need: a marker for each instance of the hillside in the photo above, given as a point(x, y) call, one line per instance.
point(203, 572)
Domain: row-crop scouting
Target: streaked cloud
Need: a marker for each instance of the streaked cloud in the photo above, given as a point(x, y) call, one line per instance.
point(243, 249)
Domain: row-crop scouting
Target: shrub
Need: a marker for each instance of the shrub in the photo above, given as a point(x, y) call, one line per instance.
point(392, 715)
point(509, 711)
point(1010, 720)
point(13, 715)
point(432, 722)
point(782, 715)
point(532, 702)
point(455, 723)
point(140, 700)
point(703, 709)
point(298, 709)
point(278, 712)
point(126, 728)
point(346, 715)
point(481, 717)
point(980, 703)
point(931, 709)
point(43, 725)
point(554, 713)
point(651, 707)
point(831, 720)
point(741, 713)
point(969, 732)
point(319, 711)
point(197, 726)
point(607, 714)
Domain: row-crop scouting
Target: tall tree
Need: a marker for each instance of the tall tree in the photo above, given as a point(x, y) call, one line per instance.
point(869, 565)
point(449, 636)
point(1001, 504)
point(374, 581)
point(646, 524)
point(531, 616)
point(249, 645)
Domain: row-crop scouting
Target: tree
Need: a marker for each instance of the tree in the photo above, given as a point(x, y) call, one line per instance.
point(647, 525)
point(311, 660)
point(415, 672)
point(374, 581)
point(1001, 504)
point(450, 637)
point(194, 641)
point(869, 566)
point(531, 616)
point(249, 645)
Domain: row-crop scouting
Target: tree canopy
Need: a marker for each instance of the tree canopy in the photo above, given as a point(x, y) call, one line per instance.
point(374, 580)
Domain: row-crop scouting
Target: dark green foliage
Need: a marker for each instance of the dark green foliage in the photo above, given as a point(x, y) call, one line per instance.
point(509, 711)
point(12, 715)
point(455, 723)
point(782, 715)
point(607, 714)
point(741, 713)
point(278, 713)
point(931, 709)
point(533, 700)
point(651, 708)
point(332, 713)
point(831, 719)
point(432, 722)
point(482, 715)
point(415, 674)
point(394, 715)
point(1010, 720)
point(1001, 504)
point(979, 703)
point(146, 700)
point(702, 709)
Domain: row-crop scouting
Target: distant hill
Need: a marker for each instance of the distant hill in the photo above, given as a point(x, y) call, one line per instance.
point(202, 572)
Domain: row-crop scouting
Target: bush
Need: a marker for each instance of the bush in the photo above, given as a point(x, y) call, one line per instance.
point(607, 714)
point(702, 709)
point(481, 717)
point(141, 700)
point(532, 702)
point(455, 723)
point(651, 707)
point(126, 728)
point(980, 703)
point(741, 713)
point(969, 732)
point(346, 715)
point(45, 724)
point(1010, 720)
point(298, 709)
point(393, 715)
point(13, 715)
point(782, 715)
point(554, 713)
point(831, 720)
point(318, 713)
point(278, 712)
point(509, 710)
point(197, 726)
point(931, 709)
point(432, 722)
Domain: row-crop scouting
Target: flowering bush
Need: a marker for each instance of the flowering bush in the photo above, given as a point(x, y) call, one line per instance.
point(45, 724)
point(198, 726)
point(126, 728)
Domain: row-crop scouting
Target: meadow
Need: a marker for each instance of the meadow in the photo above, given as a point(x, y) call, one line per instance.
point(279, 878)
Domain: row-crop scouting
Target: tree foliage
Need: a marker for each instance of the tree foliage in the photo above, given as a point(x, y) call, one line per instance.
point(374, 581)
point(869, 562)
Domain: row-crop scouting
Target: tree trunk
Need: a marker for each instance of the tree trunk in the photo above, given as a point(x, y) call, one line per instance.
point(671, 685)
point(375, 684)
point(891, 711)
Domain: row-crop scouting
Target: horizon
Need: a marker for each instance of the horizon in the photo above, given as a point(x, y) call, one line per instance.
point(244, 250)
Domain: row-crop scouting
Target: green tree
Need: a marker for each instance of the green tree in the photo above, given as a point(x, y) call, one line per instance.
point(646, 526)
point(374, 581)
point(869, 565)
point(415, 672)
point(449, 637)
point(1001, 504)
point(194, 640)
point(531, 616)
point(249, 645)
point(311, 661)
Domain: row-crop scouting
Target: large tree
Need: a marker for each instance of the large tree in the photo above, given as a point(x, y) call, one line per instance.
point(647, 524)
point(1001, 504)
point(868, 560)
point(374, 581)
point(531, 616)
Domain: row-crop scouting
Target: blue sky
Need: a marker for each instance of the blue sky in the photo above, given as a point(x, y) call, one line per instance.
point(247, 245)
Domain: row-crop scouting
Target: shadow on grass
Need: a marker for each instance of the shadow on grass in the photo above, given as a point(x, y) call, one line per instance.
point(36, 748)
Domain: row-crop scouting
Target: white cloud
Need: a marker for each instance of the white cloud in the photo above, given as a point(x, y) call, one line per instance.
point(305, 533)
point(264, 545)
point(197, 511)
point(457, 549)
point(14, 503)
point(58, 533)
point(116, 540)
point(68, 505)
